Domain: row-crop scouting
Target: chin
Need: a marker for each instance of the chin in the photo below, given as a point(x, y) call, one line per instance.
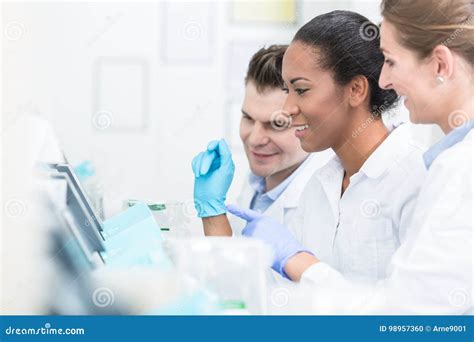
point(310, 148)
point(264, 171)
point(260, 173)
point(418, 111)
point(306, 148)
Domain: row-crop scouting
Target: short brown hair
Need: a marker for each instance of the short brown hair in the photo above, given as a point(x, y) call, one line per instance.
point(265, 68)
point(424, 24)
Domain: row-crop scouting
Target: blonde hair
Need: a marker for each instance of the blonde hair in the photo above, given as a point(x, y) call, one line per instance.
point(424, 24)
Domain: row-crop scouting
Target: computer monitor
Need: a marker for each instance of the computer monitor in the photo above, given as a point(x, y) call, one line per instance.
point(79, 213)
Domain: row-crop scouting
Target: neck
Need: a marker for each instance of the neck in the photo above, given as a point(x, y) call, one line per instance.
point(272, 181)
point(460, 111)
point(358, 143)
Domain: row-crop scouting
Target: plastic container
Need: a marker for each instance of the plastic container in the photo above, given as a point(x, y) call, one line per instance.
point(235, 268)
point(174, 218)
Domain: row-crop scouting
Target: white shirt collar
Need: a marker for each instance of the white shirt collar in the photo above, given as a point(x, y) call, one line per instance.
point(258, 183)
point(390, 152)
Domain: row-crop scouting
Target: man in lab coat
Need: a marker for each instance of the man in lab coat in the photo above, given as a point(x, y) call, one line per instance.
point(279, 168)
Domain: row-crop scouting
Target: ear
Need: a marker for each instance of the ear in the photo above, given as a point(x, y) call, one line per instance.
point(443, 61)
point(358, 91)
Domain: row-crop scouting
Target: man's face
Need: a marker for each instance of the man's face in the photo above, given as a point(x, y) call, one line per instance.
point(270, 149)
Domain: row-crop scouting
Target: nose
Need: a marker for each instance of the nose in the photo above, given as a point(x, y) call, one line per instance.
point(291, 107)
point(384, 79)
point(258, 136)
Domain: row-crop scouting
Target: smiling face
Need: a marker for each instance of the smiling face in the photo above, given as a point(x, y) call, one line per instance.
point(314, 99)
point(410, 77)
point(271, 151)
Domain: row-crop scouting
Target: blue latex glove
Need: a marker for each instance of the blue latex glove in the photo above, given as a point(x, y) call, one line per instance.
point(272, 232)
point(213, 171)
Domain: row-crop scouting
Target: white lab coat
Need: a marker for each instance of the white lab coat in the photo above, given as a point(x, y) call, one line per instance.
point(285, 206)
point(431, 272)
point(358, 233)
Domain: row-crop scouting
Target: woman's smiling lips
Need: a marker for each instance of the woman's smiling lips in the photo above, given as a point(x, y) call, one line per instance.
point(301, 130)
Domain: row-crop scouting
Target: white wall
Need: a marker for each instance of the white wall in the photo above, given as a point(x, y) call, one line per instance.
point(51, 63)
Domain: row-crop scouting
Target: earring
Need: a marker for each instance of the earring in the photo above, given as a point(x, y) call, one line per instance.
point(440, 79)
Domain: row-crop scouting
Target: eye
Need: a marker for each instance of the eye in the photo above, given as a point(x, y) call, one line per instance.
point(246, 117)
point(278, 125)
point(300, 91)
point(389, 62)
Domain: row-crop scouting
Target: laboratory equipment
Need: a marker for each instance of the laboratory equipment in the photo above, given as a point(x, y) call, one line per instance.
point(235, 268)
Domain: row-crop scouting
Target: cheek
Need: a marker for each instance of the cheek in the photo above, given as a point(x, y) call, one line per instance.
point(319, 108)
point(405, 79)
point(416, 89)
point(421, 101)
point(244, 130)
point(287, 142)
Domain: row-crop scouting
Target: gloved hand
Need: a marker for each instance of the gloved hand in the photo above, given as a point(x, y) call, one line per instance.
point(272, 232)
point(213, 171)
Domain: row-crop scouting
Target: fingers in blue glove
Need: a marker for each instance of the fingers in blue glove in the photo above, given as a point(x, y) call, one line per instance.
point(246, 214)
point(194, 165)
point(197, 161)
point(217, 154)
point(202, 163)
point(224, 152)
point(212, 145)
point(208, 159)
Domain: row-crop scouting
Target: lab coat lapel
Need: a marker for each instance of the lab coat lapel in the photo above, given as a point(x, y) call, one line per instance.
point(243, 200)
point(330, 178)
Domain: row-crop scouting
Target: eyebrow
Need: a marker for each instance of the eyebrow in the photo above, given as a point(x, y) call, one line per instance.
point(250, 116)
point(298, 79)
point(245, 113)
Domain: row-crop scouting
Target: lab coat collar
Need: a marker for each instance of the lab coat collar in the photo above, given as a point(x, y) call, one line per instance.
point(392, 149)
point(291, 197)
point(258, 183)
point(451, 139)
point(395, 146)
